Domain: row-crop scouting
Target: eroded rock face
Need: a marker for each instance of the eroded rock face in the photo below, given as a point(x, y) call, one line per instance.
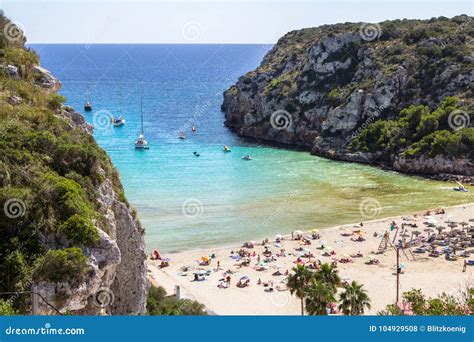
point(436, 165)
point(45, 79)
point(72, 297)
point(332, 83)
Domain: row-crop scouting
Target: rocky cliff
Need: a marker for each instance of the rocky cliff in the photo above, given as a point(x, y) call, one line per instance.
point(370, 93)
point(69, 242)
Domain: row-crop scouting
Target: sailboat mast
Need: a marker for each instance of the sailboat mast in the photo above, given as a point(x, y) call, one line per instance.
point(141, 111)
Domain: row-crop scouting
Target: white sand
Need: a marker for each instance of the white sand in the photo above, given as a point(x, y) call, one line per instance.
point(432, 275)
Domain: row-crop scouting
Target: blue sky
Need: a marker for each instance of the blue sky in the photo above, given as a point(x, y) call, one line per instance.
point(197, 21)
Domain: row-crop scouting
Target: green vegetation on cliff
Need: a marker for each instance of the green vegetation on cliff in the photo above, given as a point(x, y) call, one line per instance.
point(49, 173)
point(418, 131)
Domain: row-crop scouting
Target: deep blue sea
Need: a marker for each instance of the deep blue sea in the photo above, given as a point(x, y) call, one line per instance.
point(188, 202)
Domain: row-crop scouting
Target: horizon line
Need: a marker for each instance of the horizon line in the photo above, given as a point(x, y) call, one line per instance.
point(90, 44)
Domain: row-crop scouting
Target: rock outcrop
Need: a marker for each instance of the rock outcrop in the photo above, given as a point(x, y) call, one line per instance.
point(319, 88)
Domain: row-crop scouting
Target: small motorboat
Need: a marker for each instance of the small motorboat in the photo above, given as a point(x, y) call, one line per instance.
point(196, 154)
point(117, 122)
point(226, 148)
point(460, 187)
point(194, 129)
point(247, 157)
point(182, 136)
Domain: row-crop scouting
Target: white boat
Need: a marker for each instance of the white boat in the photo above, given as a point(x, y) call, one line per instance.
point(117, 122)
point(141, 143)
point(460, 187)
point(120, 121)
point(182, 135)
point(87, 105)
point(247, 157)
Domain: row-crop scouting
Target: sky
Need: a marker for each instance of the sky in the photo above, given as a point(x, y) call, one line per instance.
point(203, 22)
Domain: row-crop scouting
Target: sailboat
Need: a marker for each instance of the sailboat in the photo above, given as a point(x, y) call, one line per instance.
point(120, 121)
point(87, 105)
point(141, 143)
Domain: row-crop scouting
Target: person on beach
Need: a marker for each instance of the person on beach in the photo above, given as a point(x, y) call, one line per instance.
point(464, 266)
point(218, 265)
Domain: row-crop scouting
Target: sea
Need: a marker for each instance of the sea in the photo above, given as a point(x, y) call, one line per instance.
point(189, 202)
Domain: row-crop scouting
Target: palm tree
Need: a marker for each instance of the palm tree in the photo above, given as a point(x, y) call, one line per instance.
point(319, 296)
point(298, 282)
point(328, 274)
point(354, 299)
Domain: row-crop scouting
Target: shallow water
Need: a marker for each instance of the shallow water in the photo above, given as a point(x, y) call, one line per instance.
point(187, 202)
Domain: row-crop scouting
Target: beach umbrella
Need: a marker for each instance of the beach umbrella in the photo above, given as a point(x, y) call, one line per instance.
point(315, 231)
point(244, 278)
point(432, 222)
point(278, 237)
point(346, 256)
point(200, 272)
point(297, 232)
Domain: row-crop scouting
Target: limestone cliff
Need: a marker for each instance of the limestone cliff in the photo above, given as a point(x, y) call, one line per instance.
point(341, 91)
point(67, 233)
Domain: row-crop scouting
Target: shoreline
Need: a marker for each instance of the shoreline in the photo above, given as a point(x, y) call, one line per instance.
point(255, 301)
point(324, 229)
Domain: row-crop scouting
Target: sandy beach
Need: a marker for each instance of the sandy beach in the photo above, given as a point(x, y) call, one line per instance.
point(432, 275)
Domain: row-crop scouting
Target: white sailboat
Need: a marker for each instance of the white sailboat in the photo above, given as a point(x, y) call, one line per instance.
point(141, 143)
point(88, 104)
point(120, 121)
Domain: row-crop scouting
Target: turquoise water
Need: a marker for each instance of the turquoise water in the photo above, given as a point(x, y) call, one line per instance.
point(187, 202)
